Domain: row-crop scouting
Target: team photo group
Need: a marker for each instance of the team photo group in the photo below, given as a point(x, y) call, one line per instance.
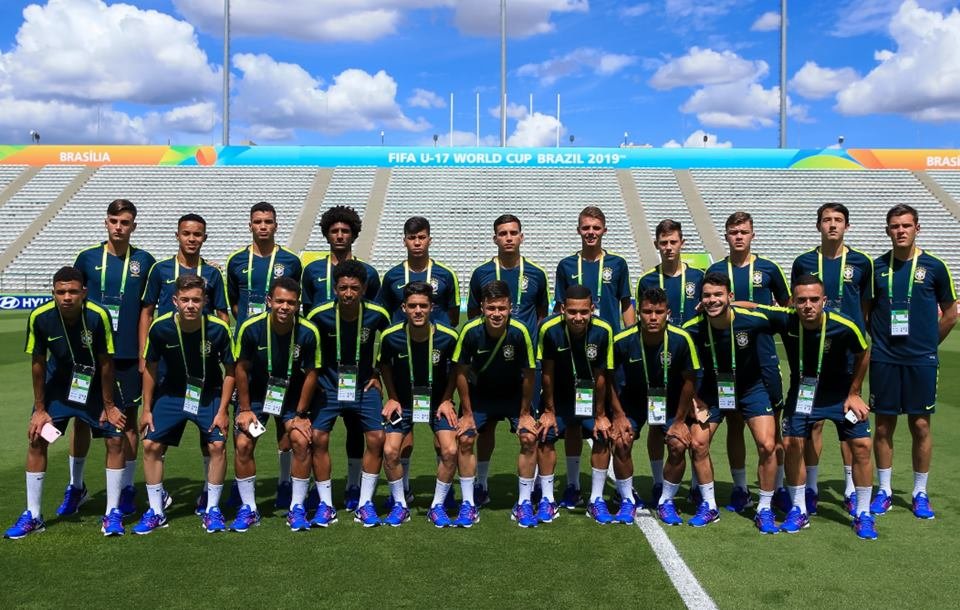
point(133, 349)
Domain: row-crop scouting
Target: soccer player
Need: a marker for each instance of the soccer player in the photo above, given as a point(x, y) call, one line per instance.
point(729, 339)
point(115, 274)
point(757, 280)
point(909, 285)
point(659, 366)
point(530, 300)
point(340, 226)
point(575, 350)
point(847, 275)
point(277, 355)
point(348, 330)
point(415, 364)
point(820, 344)
point(76, 382)
point(681, 283)
point(495, 380)
point(607, 276)
point(250, 272)
point(192, 346)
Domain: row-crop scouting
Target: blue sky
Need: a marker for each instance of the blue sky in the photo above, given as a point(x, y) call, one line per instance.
point(882, 73)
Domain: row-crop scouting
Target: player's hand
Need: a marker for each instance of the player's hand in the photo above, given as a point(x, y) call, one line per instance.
point(220, 421)
point(244, 419)
point(373, 383)
point(37, 421)
point(448, 412)
point(527, 423)
point(114, 416)
point(601, 427)
point(855, 403)
point(548, 422)
point(622, 431)
point(465, 423)
point(391, 407)
point(680, 433)
point(302, 426)
point(146, 423)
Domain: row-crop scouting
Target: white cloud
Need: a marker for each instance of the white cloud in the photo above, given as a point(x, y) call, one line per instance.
point(767, 22)
point(706, 67)
point(284, 96)
point(422, 98)
point(535, 130)
point(636, 10)
point(576, 62)
point(816, 82)
point(740, 105)
point(921, 79)
point(856, 17)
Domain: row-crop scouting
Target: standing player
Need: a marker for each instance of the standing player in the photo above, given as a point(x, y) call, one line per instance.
point(757, 280)
point(495, 380)
point(681, 283)
point(192, 346)
point(847, 276)
point(575, 395)
point(250, 272)
point(530, 300)
point(415, 361)
point(115, 274)
point(75, 383)
point(348, 330)
point(910, 284)
point(277, 355)
point(340, 226)
point(608, 277)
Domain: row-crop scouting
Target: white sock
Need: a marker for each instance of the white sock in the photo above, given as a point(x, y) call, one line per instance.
point(405, 462)
point(155, 497)
point(466, 489)
point(546, 486)
point(863, 499)
point(206, 471)
point(354, 468)
point(286, 458)
point(780, 475)
point(739, 478)
point(396, 491)
point(669, 491)
point(707, 492)
point(799, 498)
point(248, 493)
point(324, 488)
point(573, 471)
point(114, 485)
point(34, 492)
point(848, 481)
point(920, 482)
point(765, 498)
point(440, 492)
point(883, 476)
point(129, 471)
point(368, 486)
point(213, 495)
point(625, 488)
point(76, 471)
point(597, 480)
point(298, 491)
point(526, 488)
point(483, 469)
point(656, 468)
point(812, 472)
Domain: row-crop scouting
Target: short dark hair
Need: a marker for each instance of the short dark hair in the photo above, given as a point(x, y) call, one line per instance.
point(286, 283)
point(738, 218)
point(833, 206)
point(717, 278)
point(415, 224)
point(668, 226)
point(189, 282)
point(344, 214)
point(119, 206)
point(654, 296)
point(263, 206)
point(495, 289)
point(578, 291)
point(69, 274)
point(900, 209)
point(807, 279)
point(506, 219)
point(592, 211)
point(350, 268)
point(418, 288)
point(192, 218)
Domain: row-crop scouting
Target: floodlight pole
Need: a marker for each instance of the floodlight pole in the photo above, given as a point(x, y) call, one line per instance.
point(503, 72)
point(226, 72)
point(783, 73)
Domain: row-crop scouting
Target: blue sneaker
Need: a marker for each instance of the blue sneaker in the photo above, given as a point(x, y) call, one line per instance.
point(655, 492)
point(367, 515)
point(213, 521)
point(881, 503)
point(627, 513)
point(481, 496)
point(324, 517)
point(148, 522)
point(351, 498)
point(112, 523)
point(246, 518)
point(235, 501)
point(467, 515)
point(598, 510)
point(668, 513)
point(850, 503)
point(795, 521)
point(921, 507)
point(523, 514)
point(73, 498)
point(740, 500)
point(297, 519)
point(812, 499)
point(765, 521)
point(312, 501)
point(128, 504)
point(571, 498)
point(26, 524)
point(782, 500)
point(547, 511)
point(438, 517)
point(450, 500)
point(284, 495)
point(201, 505)
point(399, 515)
point(865, 527)
point(705, 516)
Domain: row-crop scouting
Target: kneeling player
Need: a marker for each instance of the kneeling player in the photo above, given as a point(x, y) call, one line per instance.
point(191, 346)
point(415, 358)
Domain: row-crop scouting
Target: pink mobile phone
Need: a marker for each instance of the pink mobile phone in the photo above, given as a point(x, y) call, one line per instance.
point(50, 433)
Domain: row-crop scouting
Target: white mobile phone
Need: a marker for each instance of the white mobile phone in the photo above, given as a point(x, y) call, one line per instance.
point(255, 428)
point(851, 417)
point(50, 433)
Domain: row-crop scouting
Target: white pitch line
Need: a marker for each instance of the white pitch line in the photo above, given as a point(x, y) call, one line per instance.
point(691, 591)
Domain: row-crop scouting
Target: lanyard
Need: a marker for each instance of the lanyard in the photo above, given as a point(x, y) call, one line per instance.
point(573, 361)
point(749, 279)
point(843, 266)
point(266, 284)
point(913, 274)
point(496, 348)
point(643, 354)
point(683, 287)
point(293, 337)
point(356, 357)
point(103, 272)
point(203, 344)
point(823, 335)
point(580, 272)
point(83, 322)
point(713, 349)
point(496, 264)
point(406, 271)
point(429, 356)
point(176, 267)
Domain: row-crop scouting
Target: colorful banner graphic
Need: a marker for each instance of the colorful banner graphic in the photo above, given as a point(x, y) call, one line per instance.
point(22, 301)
